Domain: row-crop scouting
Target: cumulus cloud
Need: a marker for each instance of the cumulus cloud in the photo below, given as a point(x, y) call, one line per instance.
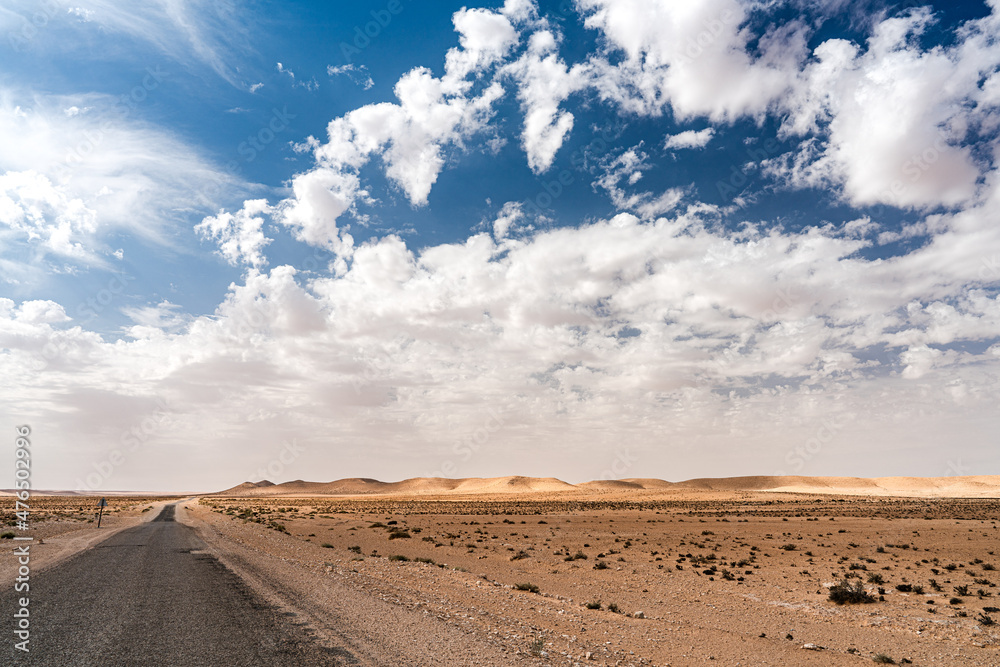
point(240, 236)
point(411, 137)
point(689, 139)
point(692, 59)
point(507, 220)
point(894, 120)
point(674, 323)
point(544, 82)
point(629, 167)
point(35, 210)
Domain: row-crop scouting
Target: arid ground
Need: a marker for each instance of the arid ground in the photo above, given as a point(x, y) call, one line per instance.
point(668, 577)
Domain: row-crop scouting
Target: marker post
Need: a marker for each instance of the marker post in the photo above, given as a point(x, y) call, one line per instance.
point(100, 513)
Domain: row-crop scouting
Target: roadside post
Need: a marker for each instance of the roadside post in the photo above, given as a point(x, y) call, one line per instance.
point(102, 505)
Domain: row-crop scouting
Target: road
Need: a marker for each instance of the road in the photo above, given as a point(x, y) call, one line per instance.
point(151, 595)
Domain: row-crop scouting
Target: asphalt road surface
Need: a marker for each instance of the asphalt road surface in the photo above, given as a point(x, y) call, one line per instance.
point(150, 596)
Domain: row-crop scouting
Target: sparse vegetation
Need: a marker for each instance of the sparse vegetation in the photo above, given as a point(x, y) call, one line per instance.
point(848, 592)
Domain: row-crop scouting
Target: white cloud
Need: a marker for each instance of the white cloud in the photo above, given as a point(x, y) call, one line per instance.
point(629, 167)
point(75, 110)
point(411, 137)
point(358, 74)
point(190, 32)
point(240, 236)
point(544, 82)
point(164, 317)
point(691, 57)
point(69, 180)
point(506, 221)
point(689, 139)
point(894, 120)
point(40, 213)
point(734, 329)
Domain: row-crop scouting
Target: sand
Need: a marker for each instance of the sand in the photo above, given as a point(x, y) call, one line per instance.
point(718, 577)
point(976, 486)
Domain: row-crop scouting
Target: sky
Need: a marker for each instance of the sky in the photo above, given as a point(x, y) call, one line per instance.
point(586, 239)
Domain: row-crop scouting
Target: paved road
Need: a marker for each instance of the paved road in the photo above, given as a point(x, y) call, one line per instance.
point(149, 596)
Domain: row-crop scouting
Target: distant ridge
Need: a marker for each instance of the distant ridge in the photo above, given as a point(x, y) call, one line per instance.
point(973, 486)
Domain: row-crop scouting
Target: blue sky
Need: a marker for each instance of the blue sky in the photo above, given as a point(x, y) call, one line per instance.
point(587, 238)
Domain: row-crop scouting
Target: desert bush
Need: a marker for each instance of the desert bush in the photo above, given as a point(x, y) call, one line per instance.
point(847, 592)
point(874, 578)
point(883, 659)
point(398, 557)
point(527, 586)
point(962, 590)
point(593, 605)
point(985, 620)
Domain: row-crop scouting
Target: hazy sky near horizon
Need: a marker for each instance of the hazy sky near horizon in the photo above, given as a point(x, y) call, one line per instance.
point(578, 238)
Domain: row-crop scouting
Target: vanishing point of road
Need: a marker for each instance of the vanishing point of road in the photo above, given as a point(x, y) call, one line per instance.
point(152, 595)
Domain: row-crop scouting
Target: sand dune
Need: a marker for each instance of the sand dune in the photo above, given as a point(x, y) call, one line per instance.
point(977, 486)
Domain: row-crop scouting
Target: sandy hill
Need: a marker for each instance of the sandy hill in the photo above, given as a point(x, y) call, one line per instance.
point(611, 485)
point(981, 486)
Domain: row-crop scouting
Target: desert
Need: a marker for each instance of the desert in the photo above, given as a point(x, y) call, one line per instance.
point(622, 572)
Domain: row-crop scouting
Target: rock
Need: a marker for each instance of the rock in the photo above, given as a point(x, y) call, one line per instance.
point(588, 655)
point(639, 614)
point(813, 647)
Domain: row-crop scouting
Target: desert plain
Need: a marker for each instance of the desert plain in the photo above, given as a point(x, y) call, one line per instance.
point(744, 571)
